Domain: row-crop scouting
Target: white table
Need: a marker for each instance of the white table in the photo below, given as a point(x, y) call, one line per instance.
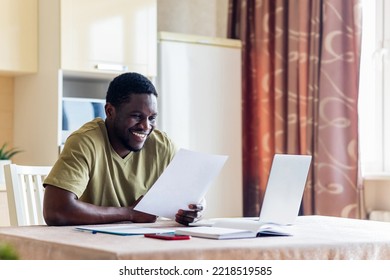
point(315, 238)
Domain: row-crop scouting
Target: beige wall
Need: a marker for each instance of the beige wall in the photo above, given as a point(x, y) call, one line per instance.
point(6, 110)
point(197, 17)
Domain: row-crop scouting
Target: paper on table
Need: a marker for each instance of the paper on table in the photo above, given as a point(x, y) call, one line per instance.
point(124, 229)
point(186, 180)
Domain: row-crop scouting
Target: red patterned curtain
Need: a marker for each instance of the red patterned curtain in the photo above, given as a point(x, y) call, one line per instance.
point(300, 91)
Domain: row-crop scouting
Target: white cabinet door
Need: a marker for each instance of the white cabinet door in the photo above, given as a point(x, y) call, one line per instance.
point(109, 35)
point(19, 36)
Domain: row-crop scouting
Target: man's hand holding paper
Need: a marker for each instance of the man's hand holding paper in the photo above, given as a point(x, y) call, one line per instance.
point(195, 213)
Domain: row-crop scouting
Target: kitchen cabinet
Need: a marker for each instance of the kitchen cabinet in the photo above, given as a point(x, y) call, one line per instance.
point(19, 36)
point(115, 35)
point(74, 37)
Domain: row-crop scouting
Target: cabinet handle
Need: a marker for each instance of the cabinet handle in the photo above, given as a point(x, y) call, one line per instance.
point(111, 67)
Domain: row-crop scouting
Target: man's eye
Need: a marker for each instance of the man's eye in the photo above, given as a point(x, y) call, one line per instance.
point(137, 117)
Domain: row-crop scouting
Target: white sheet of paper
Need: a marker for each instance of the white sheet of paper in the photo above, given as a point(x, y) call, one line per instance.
point(124, 229)
point(186, 180)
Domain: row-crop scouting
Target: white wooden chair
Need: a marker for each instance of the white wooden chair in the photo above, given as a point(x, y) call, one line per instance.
point(24, 185)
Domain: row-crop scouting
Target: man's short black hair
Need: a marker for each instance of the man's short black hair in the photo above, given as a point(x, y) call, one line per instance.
point(124, 85)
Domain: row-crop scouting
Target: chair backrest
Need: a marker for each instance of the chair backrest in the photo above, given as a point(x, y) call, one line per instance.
point(24, 185)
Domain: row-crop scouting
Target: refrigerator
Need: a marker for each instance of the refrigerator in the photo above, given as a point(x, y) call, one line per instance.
point(199, 85)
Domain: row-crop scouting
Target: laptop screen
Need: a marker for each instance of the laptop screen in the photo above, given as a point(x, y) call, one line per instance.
point(285, 187)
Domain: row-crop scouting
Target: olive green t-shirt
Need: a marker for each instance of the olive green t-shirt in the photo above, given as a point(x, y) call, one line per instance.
point(90, 168)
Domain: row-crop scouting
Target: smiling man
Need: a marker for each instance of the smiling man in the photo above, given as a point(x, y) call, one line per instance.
point(107, 166)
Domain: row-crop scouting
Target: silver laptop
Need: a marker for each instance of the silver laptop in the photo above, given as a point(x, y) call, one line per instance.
point(284, 192)
point(285, 187)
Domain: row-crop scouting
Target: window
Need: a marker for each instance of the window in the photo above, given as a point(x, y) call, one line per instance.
point(374, 95)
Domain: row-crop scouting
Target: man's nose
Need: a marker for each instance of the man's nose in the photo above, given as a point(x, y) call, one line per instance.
point(145, 123)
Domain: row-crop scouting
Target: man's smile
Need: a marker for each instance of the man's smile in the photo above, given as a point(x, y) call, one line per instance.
point(140, 135)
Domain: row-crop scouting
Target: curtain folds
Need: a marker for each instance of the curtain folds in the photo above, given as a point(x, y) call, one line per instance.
point(299, 96)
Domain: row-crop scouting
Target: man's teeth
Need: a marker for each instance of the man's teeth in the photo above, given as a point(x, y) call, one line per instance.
point(139, 135)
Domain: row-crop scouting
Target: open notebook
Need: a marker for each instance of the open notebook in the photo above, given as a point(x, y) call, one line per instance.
point(282, 199)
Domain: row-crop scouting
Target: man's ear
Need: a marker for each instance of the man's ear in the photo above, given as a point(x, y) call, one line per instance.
point(109, 110)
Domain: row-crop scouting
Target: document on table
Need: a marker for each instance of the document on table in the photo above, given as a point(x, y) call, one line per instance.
point(124, 229)
point(186, 180)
